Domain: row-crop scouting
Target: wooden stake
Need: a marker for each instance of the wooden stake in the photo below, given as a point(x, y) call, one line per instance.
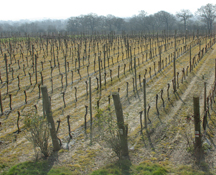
point(66, 70)
point(99, 72)
point(6, 67)
point(35, 69)
point(135, 74)
point(90, 107)
point(121, 125)
point(204, 96)
point(198, 140)
point(1, 103)
point(141, 120)
point(144, 100)
point(10, 96)
point(85, 123)
point(69, 130)
point(47, 108)
point(157, 104)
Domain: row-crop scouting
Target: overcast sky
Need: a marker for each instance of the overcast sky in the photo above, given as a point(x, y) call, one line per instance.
point(62, 9)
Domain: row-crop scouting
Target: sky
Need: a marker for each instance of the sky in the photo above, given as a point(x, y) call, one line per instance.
point(62, 9)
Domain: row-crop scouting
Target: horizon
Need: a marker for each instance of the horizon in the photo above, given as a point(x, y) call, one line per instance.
point(55, 11)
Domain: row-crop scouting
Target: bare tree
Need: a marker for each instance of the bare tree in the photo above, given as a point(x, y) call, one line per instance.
point(184, 15)
point(142, 19)
point(92, 21)
point(110, 20)
point(166, 19)
point(208, 14)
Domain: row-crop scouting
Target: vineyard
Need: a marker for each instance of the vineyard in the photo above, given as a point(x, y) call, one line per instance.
point(82, 72)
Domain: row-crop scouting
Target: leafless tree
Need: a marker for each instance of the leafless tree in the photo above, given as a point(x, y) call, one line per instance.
point(166, 19)
point(208, 15)
point(184, 15)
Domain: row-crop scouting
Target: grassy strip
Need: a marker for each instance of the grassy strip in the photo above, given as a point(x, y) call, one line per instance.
point(117, 168)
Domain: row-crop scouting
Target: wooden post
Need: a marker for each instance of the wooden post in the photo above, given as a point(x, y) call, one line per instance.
point(144, 100)
point(66, 70)
point(35, 69)
point(160, 58)
point(141, 120)
point(69, 130)
point(111, 75)
point(174, 73)
point(18, 129)
point(47, 108)
point(157, 104)
point(105, 78)
point(135, 74)
point(85, 124)
point(127, 89)
point(215, 69)
point(118, 70)
point(1, 103)
point(168, 90)
point(90, 108)
point(0, 77)
point(6, 67)
point(150, 72)
point(10, 96)
point(162, 97)
point(198, 141)
point(190, 59)
point(204, 96)
point(177, 80)
point(97, 83)
point(99, 72)
point(120, 123)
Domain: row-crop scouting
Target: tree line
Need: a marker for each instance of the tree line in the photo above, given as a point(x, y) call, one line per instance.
point(183, 21)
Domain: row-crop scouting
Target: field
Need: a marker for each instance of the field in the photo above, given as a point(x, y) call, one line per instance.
point(114, 64)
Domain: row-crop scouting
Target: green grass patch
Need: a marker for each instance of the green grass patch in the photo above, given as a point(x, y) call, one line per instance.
point(124, 167)
point(147, 168)
point(37, 168)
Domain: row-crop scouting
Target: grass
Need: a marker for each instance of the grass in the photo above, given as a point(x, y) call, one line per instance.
point(34, 168)
point(147, 168)
point(123, 167)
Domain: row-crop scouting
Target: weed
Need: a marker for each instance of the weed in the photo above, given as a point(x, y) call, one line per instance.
point(38, 130)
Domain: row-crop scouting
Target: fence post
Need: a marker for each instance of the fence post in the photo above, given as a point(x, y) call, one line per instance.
point(198, 142)
point(65, 59)
point(1, 103)
point(204, 96)
point(90, 108)
point(47, 108)
point(35, 69)
point(99, 72)
point(215, 69)
point(6, 67)
point(120, 123)
point(144, 96)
